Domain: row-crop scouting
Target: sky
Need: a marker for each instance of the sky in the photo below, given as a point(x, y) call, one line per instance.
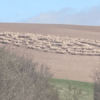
point(78, 12)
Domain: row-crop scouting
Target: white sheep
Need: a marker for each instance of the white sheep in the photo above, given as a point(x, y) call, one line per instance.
point(48, 45)
point(17, 44)
point(2, 37)
point(64, 47)
point(5, 41)
point(53, 48)
point(31, 47)
point(46, 50)
point(26, 43)
point(63, 52)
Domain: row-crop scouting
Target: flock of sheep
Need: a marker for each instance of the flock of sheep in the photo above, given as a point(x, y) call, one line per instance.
point(51, 43)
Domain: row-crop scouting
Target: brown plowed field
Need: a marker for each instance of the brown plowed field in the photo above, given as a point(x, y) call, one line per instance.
point(65, 66)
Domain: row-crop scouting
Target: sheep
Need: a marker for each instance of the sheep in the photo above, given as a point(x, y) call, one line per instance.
point(72, 52)
point(19, 41)
point(48, 36)
point(17, 44)
point(25, 40)
point(48, 45)
point(45, 50)
point(44, 42)
point(43, 47)
point(14, 37)
point(38, 48)
point(2, 34)
point(58, 44)
point(26, 43)
point(64, 42)
point(43, 38)
point(40, 43)
point(50, 39)
point(64, 47)
point(76, 47)
point(9, 39)
point(53, 48)
point(78, 43)
point(5, 41)
point(69, 44)
point(57, 41)
point(30, 41)
point(63, 52)
point(30, 34)
point(23, 36)
point(6, 35)
point(38, 35)
point(59, 50)
point(97, 44)
point(31, 47)
point(0, 41)
point(32, 37)
point(36, 44)
point(2, 37)
point(97, 51)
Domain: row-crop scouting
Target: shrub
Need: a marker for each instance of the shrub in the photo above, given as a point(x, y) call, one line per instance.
point(97, 84)
point(20, 79)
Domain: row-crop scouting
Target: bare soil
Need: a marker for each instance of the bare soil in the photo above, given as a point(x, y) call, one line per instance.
point(63, 66)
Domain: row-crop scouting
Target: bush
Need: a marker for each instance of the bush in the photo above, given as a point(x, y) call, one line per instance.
point(73, 93)
point(20, 80)
point(97, 84)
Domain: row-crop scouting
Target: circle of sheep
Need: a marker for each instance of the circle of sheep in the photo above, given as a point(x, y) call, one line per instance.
point(52, 43)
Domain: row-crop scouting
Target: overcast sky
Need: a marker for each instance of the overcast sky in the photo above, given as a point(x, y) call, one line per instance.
point(79, 12)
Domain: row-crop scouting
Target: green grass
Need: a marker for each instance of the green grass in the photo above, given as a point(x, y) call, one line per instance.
point(62, 86)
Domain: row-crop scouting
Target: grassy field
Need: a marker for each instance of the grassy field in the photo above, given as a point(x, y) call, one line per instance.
point(63, 88)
